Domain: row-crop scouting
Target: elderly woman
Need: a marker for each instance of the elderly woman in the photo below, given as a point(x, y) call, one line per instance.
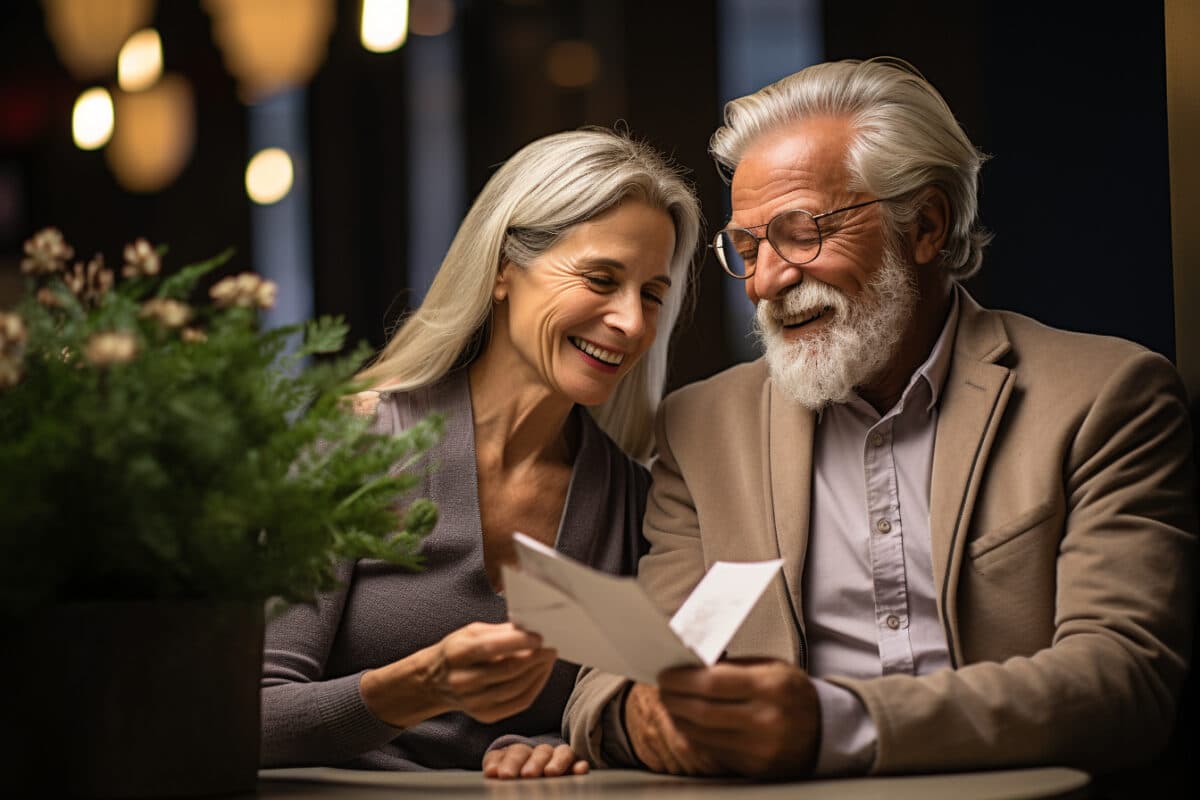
point(543, 340)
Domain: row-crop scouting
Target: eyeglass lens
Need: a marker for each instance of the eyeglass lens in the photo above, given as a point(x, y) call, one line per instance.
point(794, 236)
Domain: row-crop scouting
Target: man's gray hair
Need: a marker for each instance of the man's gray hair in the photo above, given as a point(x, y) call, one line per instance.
point(905, 138)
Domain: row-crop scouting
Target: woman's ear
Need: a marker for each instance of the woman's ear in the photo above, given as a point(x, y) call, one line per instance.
point(927, 236)
point(500, 289)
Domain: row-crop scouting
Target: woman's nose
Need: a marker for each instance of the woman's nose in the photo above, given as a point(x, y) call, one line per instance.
point(627, 315)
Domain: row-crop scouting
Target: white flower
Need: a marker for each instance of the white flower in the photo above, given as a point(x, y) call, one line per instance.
point(111, 347)
point(141, 260)
point(46, 253)
point(169, 313)
point(193, 335)
point(89, 283)
point(12, 330)
point(12, 348)
point(246, 290)
point(264, 295)
point(47, 297)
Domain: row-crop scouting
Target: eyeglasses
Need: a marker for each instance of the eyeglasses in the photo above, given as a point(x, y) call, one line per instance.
point(795, 235)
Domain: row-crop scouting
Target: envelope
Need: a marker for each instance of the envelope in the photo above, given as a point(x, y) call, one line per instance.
point(608, 622)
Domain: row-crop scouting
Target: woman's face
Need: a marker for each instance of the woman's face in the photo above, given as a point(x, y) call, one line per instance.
point(582, 313)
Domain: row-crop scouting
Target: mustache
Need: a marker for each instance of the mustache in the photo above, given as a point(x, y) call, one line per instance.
point(811, 294)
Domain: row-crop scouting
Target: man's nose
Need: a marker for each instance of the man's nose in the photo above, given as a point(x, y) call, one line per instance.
point(773, 276)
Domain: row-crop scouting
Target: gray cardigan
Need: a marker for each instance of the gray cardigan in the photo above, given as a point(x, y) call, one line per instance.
point(312, 713)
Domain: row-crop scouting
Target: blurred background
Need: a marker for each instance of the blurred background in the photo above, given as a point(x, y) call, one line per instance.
point(337, 143)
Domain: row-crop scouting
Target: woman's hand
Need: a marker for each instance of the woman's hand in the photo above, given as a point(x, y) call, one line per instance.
point(488, 672)
point(523, 761)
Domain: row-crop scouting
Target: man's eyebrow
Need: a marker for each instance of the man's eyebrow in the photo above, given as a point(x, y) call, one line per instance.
point(614, 264)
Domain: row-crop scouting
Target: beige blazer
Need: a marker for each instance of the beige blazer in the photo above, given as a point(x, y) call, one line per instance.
point(1063, 529)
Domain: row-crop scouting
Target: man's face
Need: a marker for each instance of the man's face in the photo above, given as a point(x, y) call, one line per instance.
point(831, 324)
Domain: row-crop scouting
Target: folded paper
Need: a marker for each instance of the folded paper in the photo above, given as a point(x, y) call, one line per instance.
point(608, 622)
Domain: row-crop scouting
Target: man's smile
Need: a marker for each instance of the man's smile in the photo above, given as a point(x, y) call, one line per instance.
point(794, 321)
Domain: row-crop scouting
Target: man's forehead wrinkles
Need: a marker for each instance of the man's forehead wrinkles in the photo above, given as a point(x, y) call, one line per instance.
point(803, 183)
point(789, 175)
point(774, 197)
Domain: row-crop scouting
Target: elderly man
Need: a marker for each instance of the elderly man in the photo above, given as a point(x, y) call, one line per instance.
point(987, 525)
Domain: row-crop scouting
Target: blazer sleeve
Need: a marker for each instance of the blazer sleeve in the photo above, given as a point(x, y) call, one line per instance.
point(1102, 695)
point(670, 569)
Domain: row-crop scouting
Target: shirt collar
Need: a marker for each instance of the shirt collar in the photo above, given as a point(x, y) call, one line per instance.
point(932, 372)
point(937, 365)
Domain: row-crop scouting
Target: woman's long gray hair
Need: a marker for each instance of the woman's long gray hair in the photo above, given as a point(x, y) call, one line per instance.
point(546, 188)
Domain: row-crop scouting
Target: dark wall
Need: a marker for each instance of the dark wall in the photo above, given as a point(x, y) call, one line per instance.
point(204, 211)
point(357, 140)
point(1069, 100)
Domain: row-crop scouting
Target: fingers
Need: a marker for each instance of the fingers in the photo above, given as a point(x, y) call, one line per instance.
point(715, 739)
point(711, 714)
point(727, 680)
point(539, 759)
point(459, 673)
point(655, 738)
point(462, 682)
point(643, 728)
point(761, 718)
point(523, 761)
point(497, 701)
point(490, 671)
point(562, 762)
point(506, 762)
point(481, 642)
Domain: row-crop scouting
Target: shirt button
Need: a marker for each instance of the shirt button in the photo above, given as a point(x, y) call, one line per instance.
point(876, 439)
point(883, 526)
point(893, 621)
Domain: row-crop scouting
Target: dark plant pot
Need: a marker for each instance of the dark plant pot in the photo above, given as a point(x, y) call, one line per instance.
point(135, 699)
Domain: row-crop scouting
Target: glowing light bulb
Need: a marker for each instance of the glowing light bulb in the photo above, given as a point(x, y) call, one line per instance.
point(384, 25)
point(93, 118)
point(140, 63)
point(269, 176)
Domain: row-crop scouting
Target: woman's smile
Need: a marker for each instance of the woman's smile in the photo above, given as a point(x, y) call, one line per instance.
point(601, 358)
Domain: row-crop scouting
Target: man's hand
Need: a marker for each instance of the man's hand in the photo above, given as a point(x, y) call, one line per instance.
point(655, 739)
point(523, 761)
point(757, 718)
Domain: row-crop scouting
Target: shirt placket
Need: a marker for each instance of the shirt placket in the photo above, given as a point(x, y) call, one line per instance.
point(886, 537)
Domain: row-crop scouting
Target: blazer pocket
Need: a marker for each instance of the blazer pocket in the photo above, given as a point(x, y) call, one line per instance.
point(1010, 530)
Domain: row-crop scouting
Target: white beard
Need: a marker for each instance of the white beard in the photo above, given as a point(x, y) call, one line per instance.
point(851, 349)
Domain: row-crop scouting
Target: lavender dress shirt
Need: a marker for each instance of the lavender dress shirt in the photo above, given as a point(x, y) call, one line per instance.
point(869, 599)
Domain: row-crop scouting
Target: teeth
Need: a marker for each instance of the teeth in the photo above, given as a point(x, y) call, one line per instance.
point(599, 353)
point(804, 317)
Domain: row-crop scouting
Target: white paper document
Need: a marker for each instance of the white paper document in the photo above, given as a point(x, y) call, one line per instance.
point(608, 622)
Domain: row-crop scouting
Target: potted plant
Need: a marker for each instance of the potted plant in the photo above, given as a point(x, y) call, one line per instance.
point(167, 466)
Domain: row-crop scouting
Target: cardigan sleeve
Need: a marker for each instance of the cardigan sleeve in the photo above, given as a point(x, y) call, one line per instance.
point(308, 720)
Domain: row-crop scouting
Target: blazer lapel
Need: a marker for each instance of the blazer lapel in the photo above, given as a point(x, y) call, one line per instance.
point(973, 402)
point(787, 448)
